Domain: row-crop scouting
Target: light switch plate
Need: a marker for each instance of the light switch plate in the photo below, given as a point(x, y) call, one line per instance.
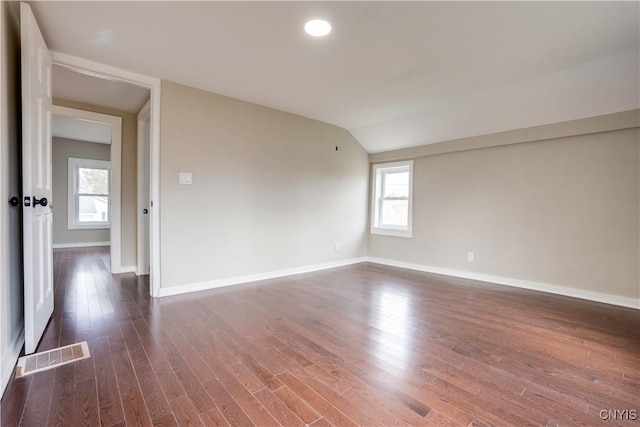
point(185, 178)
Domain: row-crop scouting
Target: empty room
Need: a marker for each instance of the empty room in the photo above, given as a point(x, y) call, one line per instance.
point(319, 213)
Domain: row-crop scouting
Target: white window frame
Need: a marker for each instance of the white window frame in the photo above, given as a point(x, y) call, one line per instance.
point(378, 173)
point(73, 197)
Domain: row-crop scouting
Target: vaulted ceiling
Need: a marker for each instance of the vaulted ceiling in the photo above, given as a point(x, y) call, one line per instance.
point(395, 74)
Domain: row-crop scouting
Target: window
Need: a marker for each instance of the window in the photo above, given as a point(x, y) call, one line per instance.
point(392, 199)
point(89, 203)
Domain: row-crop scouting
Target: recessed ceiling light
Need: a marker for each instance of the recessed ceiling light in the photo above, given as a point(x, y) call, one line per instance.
point(317, 27)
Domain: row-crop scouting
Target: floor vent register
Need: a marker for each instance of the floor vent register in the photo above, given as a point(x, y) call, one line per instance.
point(38, 362)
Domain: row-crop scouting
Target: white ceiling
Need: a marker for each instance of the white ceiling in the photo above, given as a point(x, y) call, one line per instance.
point(395, 74)
point(71, 85)
point(82, 130)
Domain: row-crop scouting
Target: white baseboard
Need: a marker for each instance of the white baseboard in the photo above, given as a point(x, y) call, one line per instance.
point(79, 245)
point(518, 283)
point(140, 273)
point(122, 270)
point(211, 284)
point(536, 286)
point(9, 359)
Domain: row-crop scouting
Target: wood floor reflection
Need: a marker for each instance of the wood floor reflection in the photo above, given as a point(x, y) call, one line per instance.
point(359, 345)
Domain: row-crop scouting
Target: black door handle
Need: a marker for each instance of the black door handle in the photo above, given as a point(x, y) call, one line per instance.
point(145, 211)
point(42, 202)
point(14, 201)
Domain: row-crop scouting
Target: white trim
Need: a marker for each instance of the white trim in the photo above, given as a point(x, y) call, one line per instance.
point(517, 283)
point(10, 357)
point(97, 69)
point(73, 220)
point(80, 245)
point(4, 258)
point(100, 70)
point(381, 231)
point(154, 212)
point(126, 269)
point(238, 280)
point(144, 115)
point(375, 204)
point(116, 172)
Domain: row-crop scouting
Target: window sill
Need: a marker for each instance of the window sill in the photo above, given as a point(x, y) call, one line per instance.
point(391, 232)
point(89, 226)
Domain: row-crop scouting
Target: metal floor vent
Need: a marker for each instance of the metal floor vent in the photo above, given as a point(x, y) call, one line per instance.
point(50, 359)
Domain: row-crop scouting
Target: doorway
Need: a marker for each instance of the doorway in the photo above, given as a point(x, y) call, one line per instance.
point(133, 81)
point(76, 86)
point(87, 149)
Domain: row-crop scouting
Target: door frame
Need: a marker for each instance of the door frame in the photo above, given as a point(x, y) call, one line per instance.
point(143, 116)
point(108, 72)
point(115, 233)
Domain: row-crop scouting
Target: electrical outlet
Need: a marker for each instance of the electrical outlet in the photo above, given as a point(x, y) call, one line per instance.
point(338, 247)
point(469, 256)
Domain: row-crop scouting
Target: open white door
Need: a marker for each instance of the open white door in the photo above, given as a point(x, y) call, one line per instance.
point(36, 180)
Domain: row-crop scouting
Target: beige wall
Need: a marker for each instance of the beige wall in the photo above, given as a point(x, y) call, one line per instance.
point(562, 211)
point(269, 189)
point(129, 175)
point(63, 149)
point(11, 289)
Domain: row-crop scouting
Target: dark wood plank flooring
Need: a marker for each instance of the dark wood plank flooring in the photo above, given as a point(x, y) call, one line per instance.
point(359, 345)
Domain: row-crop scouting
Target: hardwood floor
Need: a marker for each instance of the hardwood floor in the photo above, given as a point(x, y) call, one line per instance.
point(359, 345)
